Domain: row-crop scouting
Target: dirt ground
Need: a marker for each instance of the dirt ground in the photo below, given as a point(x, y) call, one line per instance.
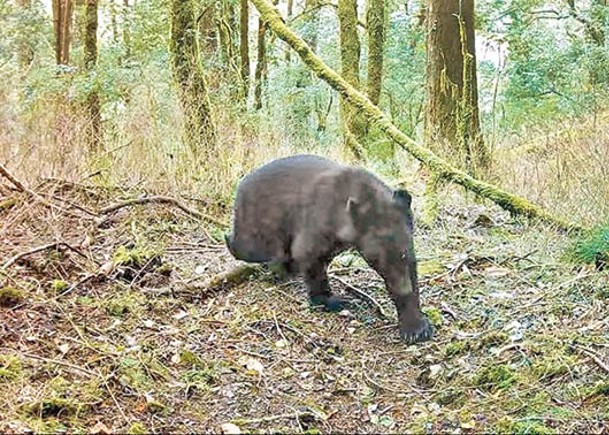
point(114, 329)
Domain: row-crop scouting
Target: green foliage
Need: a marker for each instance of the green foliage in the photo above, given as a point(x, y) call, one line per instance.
point(523, 427)
point(592, 247)
point(495, 377)
point(10, 367)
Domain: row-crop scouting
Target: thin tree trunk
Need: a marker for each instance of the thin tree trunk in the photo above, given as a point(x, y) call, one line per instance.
point(230, 52)
point(25, 54)
point(244, 48)
point(261, 64)
point(508, 201)
point(207, 28)
point(376, 23)
point(200, 131)
point(62, 20)
point(90, 54)
point(351, 120)
point(452, 118)
point(288, 52)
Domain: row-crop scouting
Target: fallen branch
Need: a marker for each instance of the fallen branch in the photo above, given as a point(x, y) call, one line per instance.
point(235, 276)
point(593, 356)
point(23, 188)
point(366, 296)
point(295, 414)
point(506, 200)
point(55, 245)
point(18, 184)
point(162, 200)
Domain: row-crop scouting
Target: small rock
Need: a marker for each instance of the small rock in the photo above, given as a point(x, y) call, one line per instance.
point(230, 428)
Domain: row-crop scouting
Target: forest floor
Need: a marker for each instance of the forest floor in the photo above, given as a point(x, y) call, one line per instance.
point(113, 329)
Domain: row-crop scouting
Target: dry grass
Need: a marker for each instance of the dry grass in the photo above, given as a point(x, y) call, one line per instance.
point(565, 169)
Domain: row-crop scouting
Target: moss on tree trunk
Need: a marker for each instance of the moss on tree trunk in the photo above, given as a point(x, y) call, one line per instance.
point(260, 64)
point(200, 131)
point(376, 22)
point(352, 121)
point(506, 200)
point(452, 118)
point(244, 48)
point(90, 55)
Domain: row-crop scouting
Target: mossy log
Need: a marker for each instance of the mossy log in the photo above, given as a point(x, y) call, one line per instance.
point(504, 199)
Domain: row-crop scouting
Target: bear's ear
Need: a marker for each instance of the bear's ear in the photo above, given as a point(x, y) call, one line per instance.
point(403, 198)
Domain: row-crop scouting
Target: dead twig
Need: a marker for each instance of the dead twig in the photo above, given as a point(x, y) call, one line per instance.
point(23, 188)
point(295, 414)
point(162, 200)
point(366, 296)
point(55, 245)
point(61, 363)
point(593, 356)
point(236, 276)
point(18, 184)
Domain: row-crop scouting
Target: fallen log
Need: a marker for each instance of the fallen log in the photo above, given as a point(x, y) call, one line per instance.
point(506, 200)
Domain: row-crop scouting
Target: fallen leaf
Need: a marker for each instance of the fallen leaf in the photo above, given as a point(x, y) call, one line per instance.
point(180, 315)
point(64, 348)
point(496, 272)
point(254, 365)
point(230, 428)
point(101, 428)
point(106, 268)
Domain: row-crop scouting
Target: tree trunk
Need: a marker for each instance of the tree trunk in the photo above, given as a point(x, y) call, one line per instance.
point(352, 122)
point(288, 52)
point(207, 28)
point(244, 48)
point(25, 54)
point(199, 128)
point(312, 23)
point(90, 54)
point(261, 64)
point(452, 118)
point(376, 23)
point(126, 30)
point(228, 46)
point(62, 19)
point(508, 201)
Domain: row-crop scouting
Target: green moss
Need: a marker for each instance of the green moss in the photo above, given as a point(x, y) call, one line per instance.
point(136, 257)
point(53, 407)
point(59, 285)
point(137, 429)
point(493, 338)
point(10, 367)
point(434, 315)
point(523, 427)
point(11, 296)
point(495, 377)
point(553, 365)
point(601, 388)
point(133, 373)
point(448, 397)
point(455, 348)
point(123, 303)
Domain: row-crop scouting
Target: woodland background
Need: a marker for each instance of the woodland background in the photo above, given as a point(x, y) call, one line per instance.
point(109, 321)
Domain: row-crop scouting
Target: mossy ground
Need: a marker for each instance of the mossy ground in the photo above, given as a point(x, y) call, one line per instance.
point(151, 351)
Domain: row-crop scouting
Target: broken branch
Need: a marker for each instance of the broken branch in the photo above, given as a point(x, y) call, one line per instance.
point(162, 200)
